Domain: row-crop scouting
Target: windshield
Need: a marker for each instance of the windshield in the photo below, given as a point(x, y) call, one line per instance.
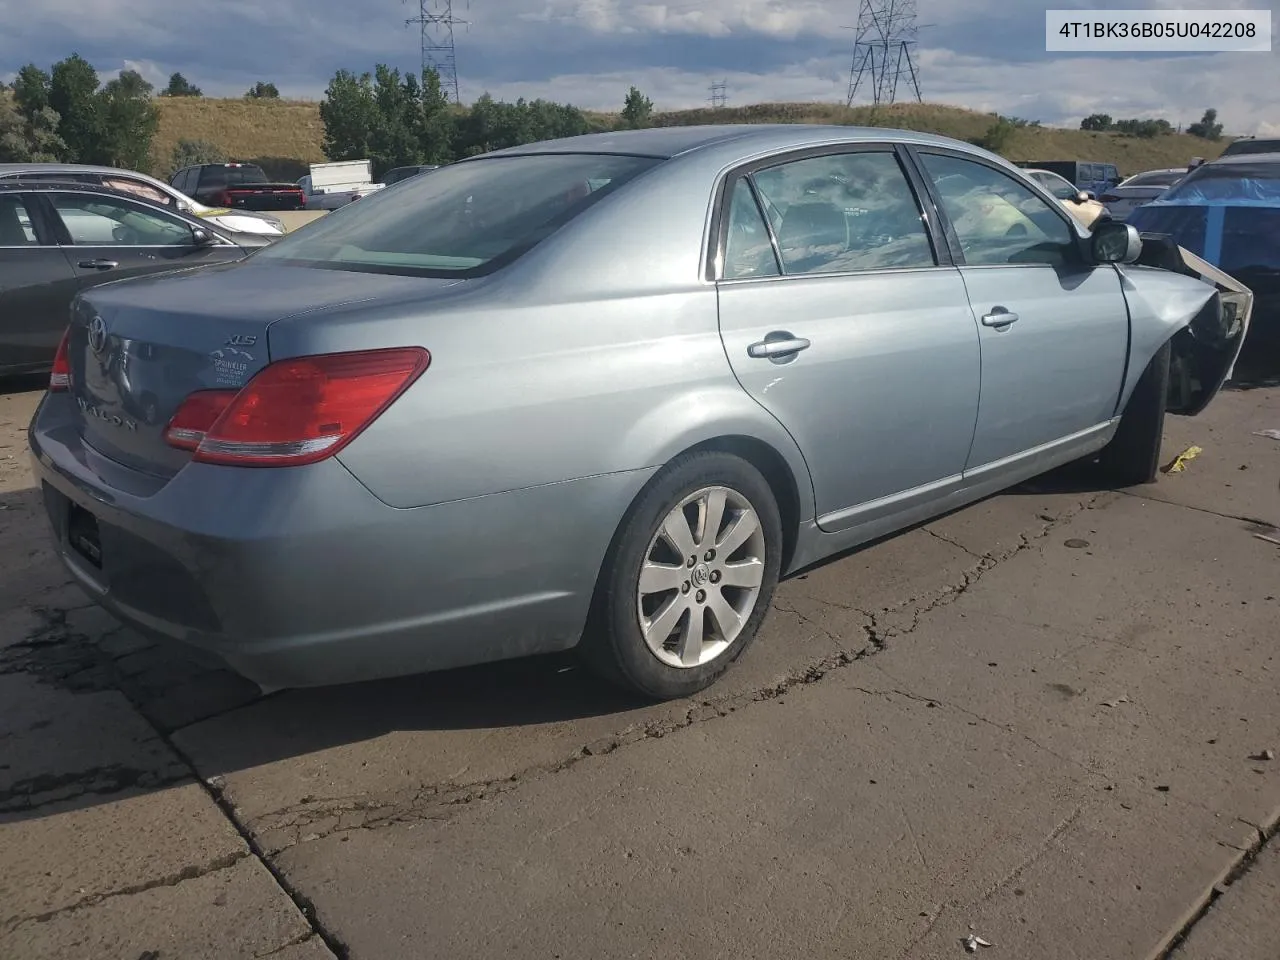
point(465, 219)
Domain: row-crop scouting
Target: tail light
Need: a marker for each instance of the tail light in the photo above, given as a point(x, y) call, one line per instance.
point(295, 411)
point(224, 198)
point(60, 375)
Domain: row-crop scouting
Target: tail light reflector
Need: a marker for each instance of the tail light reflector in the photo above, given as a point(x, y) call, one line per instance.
point(295, 411)
point(198, 413)
point(60, 376)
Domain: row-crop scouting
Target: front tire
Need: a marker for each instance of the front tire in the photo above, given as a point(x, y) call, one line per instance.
point(688, 579)
point(1133, 455)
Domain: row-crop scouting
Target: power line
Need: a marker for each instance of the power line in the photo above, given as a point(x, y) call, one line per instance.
point(882, 53)
point(719, 94)
point(436, 21)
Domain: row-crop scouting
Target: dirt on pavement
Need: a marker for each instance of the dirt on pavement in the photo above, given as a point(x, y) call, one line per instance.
point(1042, 721)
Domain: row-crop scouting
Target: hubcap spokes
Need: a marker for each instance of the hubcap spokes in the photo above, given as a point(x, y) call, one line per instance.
point(701, 577)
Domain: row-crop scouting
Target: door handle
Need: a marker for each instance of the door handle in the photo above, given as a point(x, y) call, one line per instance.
point(99, 264)
point(999, 317)
point(781, 345)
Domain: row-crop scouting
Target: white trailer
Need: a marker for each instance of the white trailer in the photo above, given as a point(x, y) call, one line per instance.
point(336, 184)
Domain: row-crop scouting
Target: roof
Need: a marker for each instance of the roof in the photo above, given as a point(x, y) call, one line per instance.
point(667, 142)
point(9, 168)
point(1245, 159)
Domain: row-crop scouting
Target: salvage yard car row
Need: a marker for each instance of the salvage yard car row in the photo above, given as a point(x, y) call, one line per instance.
point(600, 394)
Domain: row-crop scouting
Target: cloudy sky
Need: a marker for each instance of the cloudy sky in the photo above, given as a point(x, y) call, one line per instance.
point(984, 54)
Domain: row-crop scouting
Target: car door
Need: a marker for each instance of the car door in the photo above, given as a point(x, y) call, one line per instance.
point(109, 237)
point(838, 317)
point(1054, 328)
point(36, 283)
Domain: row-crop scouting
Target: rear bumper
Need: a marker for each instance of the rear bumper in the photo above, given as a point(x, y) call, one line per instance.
point(301, 577)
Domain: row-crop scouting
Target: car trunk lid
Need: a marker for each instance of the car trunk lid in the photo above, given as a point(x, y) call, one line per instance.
point(137, 350)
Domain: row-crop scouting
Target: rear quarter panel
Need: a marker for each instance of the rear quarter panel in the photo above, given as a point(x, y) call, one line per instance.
point(531, 395)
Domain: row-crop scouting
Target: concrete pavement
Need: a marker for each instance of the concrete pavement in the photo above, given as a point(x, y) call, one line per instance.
point(1032, 721)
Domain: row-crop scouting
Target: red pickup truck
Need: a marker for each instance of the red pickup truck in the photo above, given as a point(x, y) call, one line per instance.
point(242, 186)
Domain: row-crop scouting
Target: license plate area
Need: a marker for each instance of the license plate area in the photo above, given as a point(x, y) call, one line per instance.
point(82, 534)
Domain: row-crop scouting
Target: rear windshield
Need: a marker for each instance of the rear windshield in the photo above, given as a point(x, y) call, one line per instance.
point(230, 176)
point(1157, 178)
point(1250, 182)
point(1251, 146)
point(465, 219)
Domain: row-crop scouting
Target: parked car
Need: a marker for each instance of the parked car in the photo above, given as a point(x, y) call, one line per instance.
point(1228, 212)
point(239, 186)
point(1090, 176)
point(1077, 202)
point(399, 174)
point(601, 392)
point(59, 238)
point(1247, 145)
point(149, 189)
point(1133, 192)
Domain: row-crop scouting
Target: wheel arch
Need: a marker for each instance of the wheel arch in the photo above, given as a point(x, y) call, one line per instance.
point(778, 473)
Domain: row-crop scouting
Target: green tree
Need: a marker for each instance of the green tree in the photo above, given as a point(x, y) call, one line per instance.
point(190, 152)
point(998, 136)
point(28, 139)
point(180, 86)
point(31, 90)
point(1096, 121)
point(129, 120)
point(636, 110)
point(73, 88)
point(349, 113)
point(435, 121)
point(263, 91)
point(1208, 127)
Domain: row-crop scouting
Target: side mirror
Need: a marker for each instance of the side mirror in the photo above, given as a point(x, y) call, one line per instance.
point(184, 207)
point(1116, 243)
point(1083, 196)
point(201, 237)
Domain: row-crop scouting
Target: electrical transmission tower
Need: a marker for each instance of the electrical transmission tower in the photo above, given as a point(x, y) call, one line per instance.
point(882, 53)
point(436, 20)
point(719, 94)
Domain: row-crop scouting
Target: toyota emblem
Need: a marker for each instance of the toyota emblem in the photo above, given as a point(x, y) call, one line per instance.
point(97, 334)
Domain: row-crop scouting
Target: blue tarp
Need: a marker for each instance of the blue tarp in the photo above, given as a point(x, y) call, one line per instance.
point(1235, 237)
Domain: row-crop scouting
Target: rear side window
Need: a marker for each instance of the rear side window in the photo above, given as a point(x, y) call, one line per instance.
point(16, 226)
point(464, 219)
point(748, 250)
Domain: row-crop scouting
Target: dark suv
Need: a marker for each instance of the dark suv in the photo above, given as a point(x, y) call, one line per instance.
point(237, 185)
point(1252, 145)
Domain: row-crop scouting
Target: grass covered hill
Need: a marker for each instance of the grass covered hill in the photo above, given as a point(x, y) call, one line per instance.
point(291, 130)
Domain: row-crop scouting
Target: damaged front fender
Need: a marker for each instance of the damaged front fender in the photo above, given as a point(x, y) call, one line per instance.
point(1175, 296)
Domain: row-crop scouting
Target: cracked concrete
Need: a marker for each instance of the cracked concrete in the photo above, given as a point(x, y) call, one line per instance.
point(983, 721)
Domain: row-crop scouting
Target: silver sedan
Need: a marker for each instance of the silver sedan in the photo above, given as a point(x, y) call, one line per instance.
point(602, 393)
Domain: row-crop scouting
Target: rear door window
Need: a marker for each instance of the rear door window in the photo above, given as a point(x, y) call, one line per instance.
point(17, 226)
point(843, 213)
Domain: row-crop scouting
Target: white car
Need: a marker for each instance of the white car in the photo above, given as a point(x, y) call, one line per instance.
point(150, 189)
point(1128, 195)
point(1079, 203)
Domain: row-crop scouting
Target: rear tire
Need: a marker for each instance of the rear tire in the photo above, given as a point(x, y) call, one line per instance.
point(677, 601)
point(1133, 455)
